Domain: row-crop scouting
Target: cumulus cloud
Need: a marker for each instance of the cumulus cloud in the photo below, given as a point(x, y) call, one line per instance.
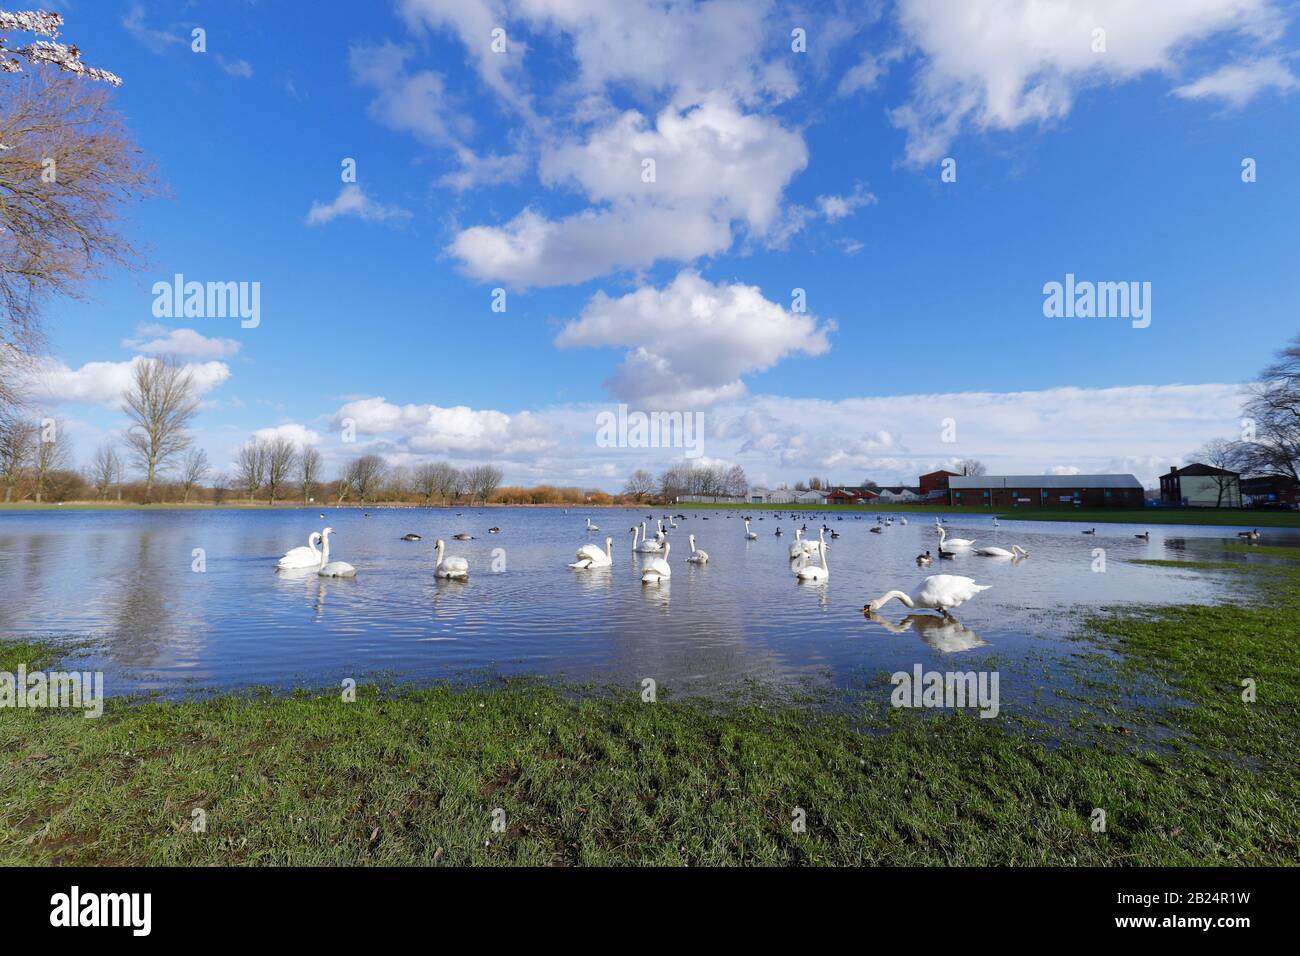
point(103, 383)
point(299, 435)
point(714, 165)
point(1003, 65)
point(432, 429)
point(352, 201)
point(1239, 83)
point(692, 340)
point(183, 343)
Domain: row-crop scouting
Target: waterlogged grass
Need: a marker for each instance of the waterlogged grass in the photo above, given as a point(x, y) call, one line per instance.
point(414, 777)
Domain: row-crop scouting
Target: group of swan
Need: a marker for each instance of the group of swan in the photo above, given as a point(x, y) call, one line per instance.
point(808, 571)
point(308, 557)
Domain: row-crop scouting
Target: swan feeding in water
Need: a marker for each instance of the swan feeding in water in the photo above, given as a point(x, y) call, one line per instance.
point(945, 634)
point(944, 540)
point(590, 556)
point(939, 592)
point(1015, 552)
point(749, 535)
point(332, 569)
point(697, 556)
point(657, 569)
point(452, 566)
point(813, 572)
point(302, 556)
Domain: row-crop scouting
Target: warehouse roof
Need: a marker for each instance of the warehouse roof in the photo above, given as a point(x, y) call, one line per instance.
point(1044, 481)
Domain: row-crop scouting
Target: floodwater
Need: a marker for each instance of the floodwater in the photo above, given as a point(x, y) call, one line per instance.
point(165, 616)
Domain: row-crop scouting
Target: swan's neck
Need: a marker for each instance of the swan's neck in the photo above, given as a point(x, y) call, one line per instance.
point(691, 539)
point(313, 540)
point(325, 550)
point(901, 595)
point(441, 548)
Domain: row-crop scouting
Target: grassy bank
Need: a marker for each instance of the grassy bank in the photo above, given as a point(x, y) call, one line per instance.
point(414, 777)
point(1150, 516)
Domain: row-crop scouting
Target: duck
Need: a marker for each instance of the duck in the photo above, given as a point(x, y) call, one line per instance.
point(463, 536)
point(1145, 535)
point(494, 530)
point(779, 532)
point(924, 560)
point(411, 537)
point(876, 530)
point(1249, 535)
point(1091, 531)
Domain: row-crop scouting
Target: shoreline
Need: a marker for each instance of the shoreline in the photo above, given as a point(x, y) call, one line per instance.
point(1227, 518)
point(419, 775)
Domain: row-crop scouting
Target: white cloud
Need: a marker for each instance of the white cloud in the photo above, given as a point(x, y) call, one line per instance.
point(866, 74)
point(692, 340)
point(432, 429)
point(156, 40)
point(352, 201)
point(1239, 83)
point(1003, 64)
point(238, 68)
point(183, 343)
point(714, 165)
point(298, 434)
point(835, 208)
point(103, 383)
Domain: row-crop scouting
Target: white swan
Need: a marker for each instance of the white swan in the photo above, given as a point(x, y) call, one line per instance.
point(697, 556)
point(657, 569)
point(332, 569)
point(939, 592)
point(302, 556)
point(660, 535)
point(944, 540)
point(811, 572)
point(796, 549)
point(902, 521)
point(645, 547)
point(646, 544)
point(591, 528)
point(749, 535)
point(453, 567)
point(590, 556)
point(1015, 552)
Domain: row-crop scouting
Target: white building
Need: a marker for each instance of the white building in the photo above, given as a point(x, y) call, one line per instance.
point(811, 497)
point(758, 495)
point(781, 496)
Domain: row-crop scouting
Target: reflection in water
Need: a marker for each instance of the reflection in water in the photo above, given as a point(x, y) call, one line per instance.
point(126, 577)
point(944, 634)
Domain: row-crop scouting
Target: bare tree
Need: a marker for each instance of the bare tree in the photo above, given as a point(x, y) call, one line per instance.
point(16, 439)
point(250, 467)
point(1271, 430)
point(448, 480)
point(640, 484)
point(160, 403)
point(308, 471)
point(51, 455)
point(67, 167)
point(193, 470)
point(364, 475)
point(281, 458)
point(970, 467)
point(425, 481)
point(481, 481)
point(105, 469)
point(737, 485)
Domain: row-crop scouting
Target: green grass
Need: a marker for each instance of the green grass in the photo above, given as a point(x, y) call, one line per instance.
point(1140, 516)
point(413, 776)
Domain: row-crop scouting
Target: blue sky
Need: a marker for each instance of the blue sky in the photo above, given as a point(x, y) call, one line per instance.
point(776, 170)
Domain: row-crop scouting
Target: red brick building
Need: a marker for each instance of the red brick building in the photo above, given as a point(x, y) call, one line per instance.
point(1006, 492)
point(1271, 491)
point(935, 481)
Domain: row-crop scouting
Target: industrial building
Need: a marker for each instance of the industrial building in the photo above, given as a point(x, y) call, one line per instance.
point(1045, 491)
